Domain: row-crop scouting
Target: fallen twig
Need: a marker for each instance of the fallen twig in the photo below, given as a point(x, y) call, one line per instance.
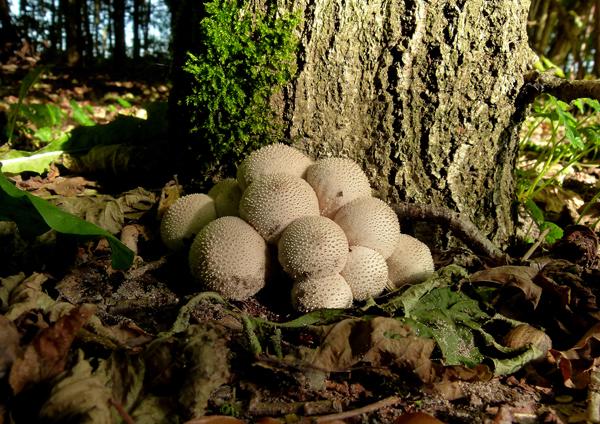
point(388, 401)
point(121, 411)
point(535, 245)
point(460, 226)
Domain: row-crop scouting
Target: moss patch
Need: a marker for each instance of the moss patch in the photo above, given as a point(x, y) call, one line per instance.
point(245, 57)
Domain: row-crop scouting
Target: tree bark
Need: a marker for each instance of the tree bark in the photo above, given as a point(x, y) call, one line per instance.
point(423, 94)
point(118, 16)
point(72, 21)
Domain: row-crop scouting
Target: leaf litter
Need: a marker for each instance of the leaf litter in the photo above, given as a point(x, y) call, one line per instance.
point(145, 347)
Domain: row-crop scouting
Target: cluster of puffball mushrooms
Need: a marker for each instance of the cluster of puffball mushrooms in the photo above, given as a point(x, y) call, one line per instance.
point(335, 240)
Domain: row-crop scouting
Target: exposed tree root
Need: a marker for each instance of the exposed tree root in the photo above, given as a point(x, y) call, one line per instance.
point(460, 226)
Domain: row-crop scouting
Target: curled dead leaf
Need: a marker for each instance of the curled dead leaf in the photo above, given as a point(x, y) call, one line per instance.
point(45, 357)
point(380, 342)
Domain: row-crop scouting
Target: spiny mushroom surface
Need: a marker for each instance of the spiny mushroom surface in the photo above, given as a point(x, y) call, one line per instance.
point(366, 272)
point(410, 262)
point(318, 293)
point(226, 194)
point(228, 256)
point(272, 159)
point(312, 246)
point(184, 218)
point(337, 181)
point(370, 222)
point(273, 201)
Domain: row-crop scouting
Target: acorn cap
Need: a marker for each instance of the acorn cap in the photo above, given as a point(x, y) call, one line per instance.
point(226, 194)
point(228, 256)
point(337, 181)
point(184, 218)
point(272, 159)
point(410, 262)
point(319, 293)
point(370, 222)
point(273, 201)
point(366, 272)
point(312, 246)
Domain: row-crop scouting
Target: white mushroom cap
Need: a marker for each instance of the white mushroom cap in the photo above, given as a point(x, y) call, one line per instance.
point(313, 246)
point(228, 256)
point(318, 293)
point(226, 194)
point(366, 272)
point(272, 159)
point(273, 201)
point(410, 263)
point(337, 181)
point(370, 222)
point(184, 218)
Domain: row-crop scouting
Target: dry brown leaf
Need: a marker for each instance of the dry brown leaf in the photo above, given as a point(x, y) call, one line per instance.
point(577, 363)
point(9, 344)
point(45, 356)
point(215, 419)
point(381, 342)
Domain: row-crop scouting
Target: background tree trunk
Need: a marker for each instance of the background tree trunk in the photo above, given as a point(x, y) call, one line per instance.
point(118, 15)
point(423, 94)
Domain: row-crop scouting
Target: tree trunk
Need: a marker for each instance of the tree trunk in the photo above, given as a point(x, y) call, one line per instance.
point(424, 95)
point(138, 7)
point(72, 20)
point(119, 31)
point(8, 32)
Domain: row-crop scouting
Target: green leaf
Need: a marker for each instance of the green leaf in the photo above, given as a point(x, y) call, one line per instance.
point(16, 161)
point(534, 211)
point(80, 115)
point(30, 79)
point(555, 232)
point(451, 316)
point(35, 216)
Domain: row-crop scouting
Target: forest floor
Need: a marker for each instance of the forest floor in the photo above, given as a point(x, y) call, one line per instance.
point(81, 341)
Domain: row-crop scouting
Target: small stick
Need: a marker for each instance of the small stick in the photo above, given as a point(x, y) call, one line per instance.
point(121, 411)
point(392, 400)
point(535, 245)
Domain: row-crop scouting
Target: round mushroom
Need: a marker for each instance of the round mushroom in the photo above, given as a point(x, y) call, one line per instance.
point(184, 218)
point(226, 194)
point(228, 256)
point(273, 201)
point(366, 272)
point(312, 246)
point(410, 262)
point(370, 222)
point(318, 293)
point(272, 159)
point(337, 181)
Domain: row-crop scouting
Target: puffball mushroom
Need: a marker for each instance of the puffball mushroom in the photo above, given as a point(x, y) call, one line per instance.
point(272, 159)
point(366, 272)
point(228, 256)
point(410, 262)
point(319, 293)
point(312, 246)
point(337, 181)
point(370, 222)
point(184, 218)
point(273, 201)
point(226, 194)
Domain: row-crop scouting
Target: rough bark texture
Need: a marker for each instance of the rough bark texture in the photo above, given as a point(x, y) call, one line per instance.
point(422, 93)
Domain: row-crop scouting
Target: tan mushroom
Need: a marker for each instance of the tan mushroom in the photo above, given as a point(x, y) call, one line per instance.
point(370, 222)
point(366, 272)
point(273, 201)
point(319, 293)
point(313, 246)
point(184, 218)
point(228, 256)
point(337, 181)
point(410, 262)
point(272, 159)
